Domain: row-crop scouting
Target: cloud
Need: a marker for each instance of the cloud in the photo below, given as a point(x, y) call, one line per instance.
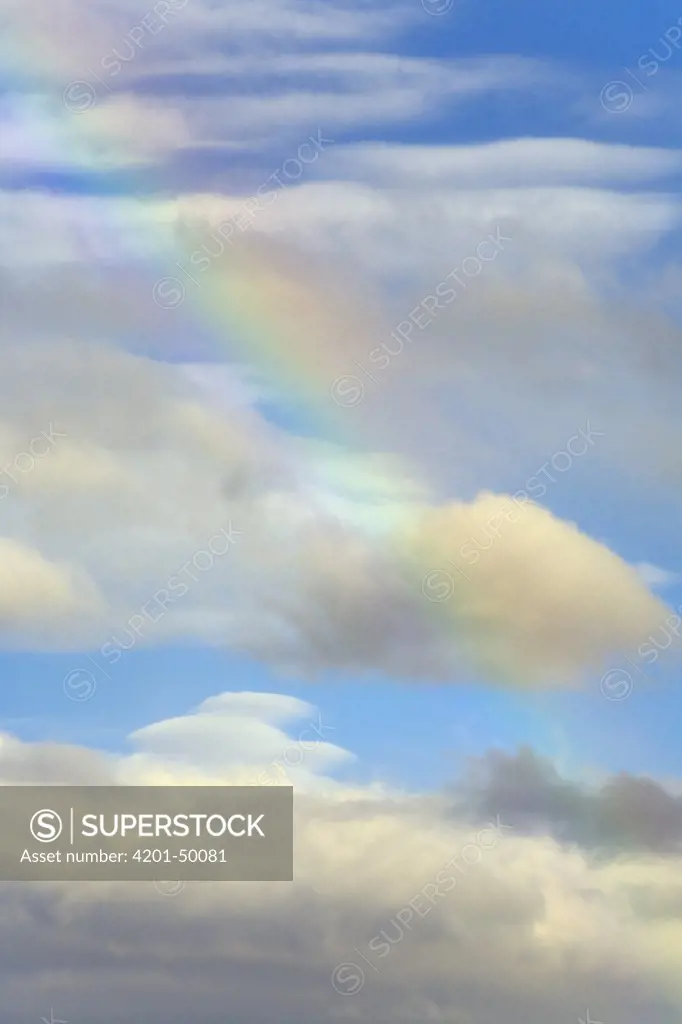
point(40, 596)
point(190, 29)
point(499, 336)
point(235, 76)
point(183, 125)
point(655, 577)
point(523, 162)
point(532, 595)
point(331, 570)
point(240, 734)
point(331, 551)
point(280, 98)
point(344, 552)
point(425, 897)
point(624, 813)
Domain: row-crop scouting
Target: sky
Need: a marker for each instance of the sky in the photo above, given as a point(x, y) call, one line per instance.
point(340, 360)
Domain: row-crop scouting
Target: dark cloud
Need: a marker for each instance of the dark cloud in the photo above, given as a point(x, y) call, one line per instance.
point(530, 932)
point(627, 811)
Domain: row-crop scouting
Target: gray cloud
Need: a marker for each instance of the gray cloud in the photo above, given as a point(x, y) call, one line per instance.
point(625, 812)
point(532, 930)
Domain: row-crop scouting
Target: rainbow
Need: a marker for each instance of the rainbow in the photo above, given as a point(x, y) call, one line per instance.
point(261, 303)
point(264, 306)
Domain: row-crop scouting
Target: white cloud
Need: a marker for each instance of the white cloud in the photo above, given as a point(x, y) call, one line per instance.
point(366, 89)
point(239, 734)
point(513, 162)
point(102, 123)
point(76, 35)
point(538, 595)
point(321, 575)
point(655, 577)
point(563, 929)
point(333, 545)
point(392, 231)
point(331, 549)
point(41, 597)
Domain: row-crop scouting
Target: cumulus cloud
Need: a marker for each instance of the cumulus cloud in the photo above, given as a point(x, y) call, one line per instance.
point(531, 591)
point(327, 552)
point(345, 554)
point(338, 544)
point(428, 899)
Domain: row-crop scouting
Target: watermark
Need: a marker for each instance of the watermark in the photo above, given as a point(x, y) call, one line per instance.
point(53, 1019)
point(438, 6)
point(349, 389)
point(348, 978)
point(169, 888)
point(81, 96)
point(662, 640)
point(170, 292)
point(39, 447)
point(618, 95)
point(438, 585)
point(46, 826)
point(136, 833)
point(531, 493)
point(299, 747)
point(618, 683)
point(81, 684)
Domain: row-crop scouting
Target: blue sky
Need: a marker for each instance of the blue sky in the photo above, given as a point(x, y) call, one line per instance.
point(359, 474)
point(379, 720)
point(571, 56)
